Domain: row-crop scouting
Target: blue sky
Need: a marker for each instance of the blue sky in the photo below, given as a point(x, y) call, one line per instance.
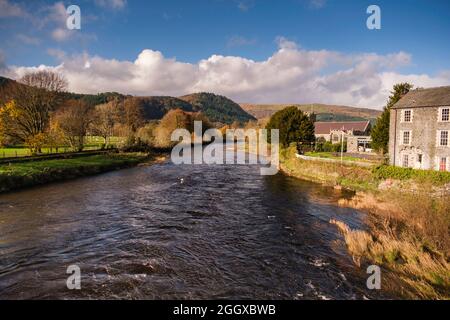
point(33, 33)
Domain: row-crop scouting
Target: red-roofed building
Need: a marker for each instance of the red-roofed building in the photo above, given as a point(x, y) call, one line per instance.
point(333, 131)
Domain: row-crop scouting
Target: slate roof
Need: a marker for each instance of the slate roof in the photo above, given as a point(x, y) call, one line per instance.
point(431, 97)
point(327, 127)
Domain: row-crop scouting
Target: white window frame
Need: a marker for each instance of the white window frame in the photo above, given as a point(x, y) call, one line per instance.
point(402, 133)
point(402, 117)
point(406, 156)
point(438, 142)
point(438, 163)
point(441, 109)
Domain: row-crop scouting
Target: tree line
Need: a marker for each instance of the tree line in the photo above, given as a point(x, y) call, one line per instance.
point(36, 112)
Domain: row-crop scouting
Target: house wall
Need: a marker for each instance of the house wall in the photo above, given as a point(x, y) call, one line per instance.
point(424, 138)
point(352, 143)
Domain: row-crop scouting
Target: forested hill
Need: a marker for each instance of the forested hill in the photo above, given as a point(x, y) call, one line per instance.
point(217, 108)
point(323, 112)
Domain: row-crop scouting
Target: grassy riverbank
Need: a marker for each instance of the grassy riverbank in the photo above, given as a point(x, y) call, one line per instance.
point(30, 173)
point(409, 220)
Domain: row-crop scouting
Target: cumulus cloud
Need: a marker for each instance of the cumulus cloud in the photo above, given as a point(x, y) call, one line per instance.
point(290, 75)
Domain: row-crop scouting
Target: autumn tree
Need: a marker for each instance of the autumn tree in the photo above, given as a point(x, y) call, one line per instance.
point(73, 120)
point(104, 118)
point(174, 119)
point(133, 113)
point(177, 119)
point(25, 117)
point(380, 132)
point(146, 133)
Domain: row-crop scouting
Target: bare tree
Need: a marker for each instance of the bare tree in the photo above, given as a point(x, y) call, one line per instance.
point(25, 117)
point(133, 113)
point(105, 117)
point(47, 80)
point(73, 120)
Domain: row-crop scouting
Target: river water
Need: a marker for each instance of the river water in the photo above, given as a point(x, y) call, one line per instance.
point(178, 232)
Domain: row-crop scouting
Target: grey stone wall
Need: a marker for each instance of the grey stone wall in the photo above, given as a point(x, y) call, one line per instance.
point(424, 138)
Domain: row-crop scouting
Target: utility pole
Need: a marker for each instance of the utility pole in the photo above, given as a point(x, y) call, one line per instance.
point(342, 146)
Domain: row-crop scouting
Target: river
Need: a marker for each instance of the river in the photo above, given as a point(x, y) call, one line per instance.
point(179, 232)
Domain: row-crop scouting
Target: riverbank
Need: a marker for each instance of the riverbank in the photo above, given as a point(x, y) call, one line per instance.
point(31, 173)
point(409, 219)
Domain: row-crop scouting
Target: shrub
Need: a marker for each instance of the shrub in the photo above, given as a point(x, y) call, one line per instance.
point(386, 172)
point(327, 146)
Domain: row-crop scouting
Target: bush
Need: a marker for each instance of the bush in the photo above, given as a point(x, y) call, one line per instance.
point(385, 172)
point(327, 146)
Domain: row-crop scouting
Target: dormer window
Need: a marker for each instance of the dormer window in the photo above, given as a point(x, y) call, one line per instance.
point(407, 115)
point(444, 114)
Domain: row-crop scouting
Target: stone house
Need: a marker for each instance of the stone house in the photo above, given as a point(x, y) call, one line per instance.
point(333, 131)
point(419, 134)
point(359, 144)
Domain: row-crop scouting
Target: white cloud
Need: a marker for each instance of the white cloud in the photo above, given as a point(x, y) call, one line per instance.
point(8, 9)
point(290, 75)
point(284, 43)
point(111, 4)
point(245, 5)
point(28, 39)
point(57, 12)
point(61, 34)
point(57, 53)
point(317, 4)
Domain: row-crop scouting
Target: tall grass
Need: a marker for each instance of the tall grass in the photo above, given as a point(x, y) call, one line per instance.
point(409, 221)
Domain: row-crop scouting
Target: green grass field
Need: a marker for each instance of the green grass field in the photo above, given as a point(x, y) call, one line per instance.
point(92, 143)
point(36, 167)
point(332, 155)
point(31, 173)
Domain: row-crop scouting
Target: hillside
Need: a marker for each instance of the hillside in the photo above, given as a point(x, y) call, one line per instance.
point(157, 107)
point(324, 112)
point(4, 81)
point(220, 109)
point(217, 108)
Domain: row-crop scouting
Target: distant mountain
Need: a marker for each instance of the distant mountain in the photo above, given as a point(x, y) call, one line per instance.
point(324, 112)
point(217, 108)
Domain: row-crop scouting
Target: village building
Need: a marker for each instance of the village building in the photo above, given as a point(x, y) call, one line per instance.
point(355, 134)
point(419, 134)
